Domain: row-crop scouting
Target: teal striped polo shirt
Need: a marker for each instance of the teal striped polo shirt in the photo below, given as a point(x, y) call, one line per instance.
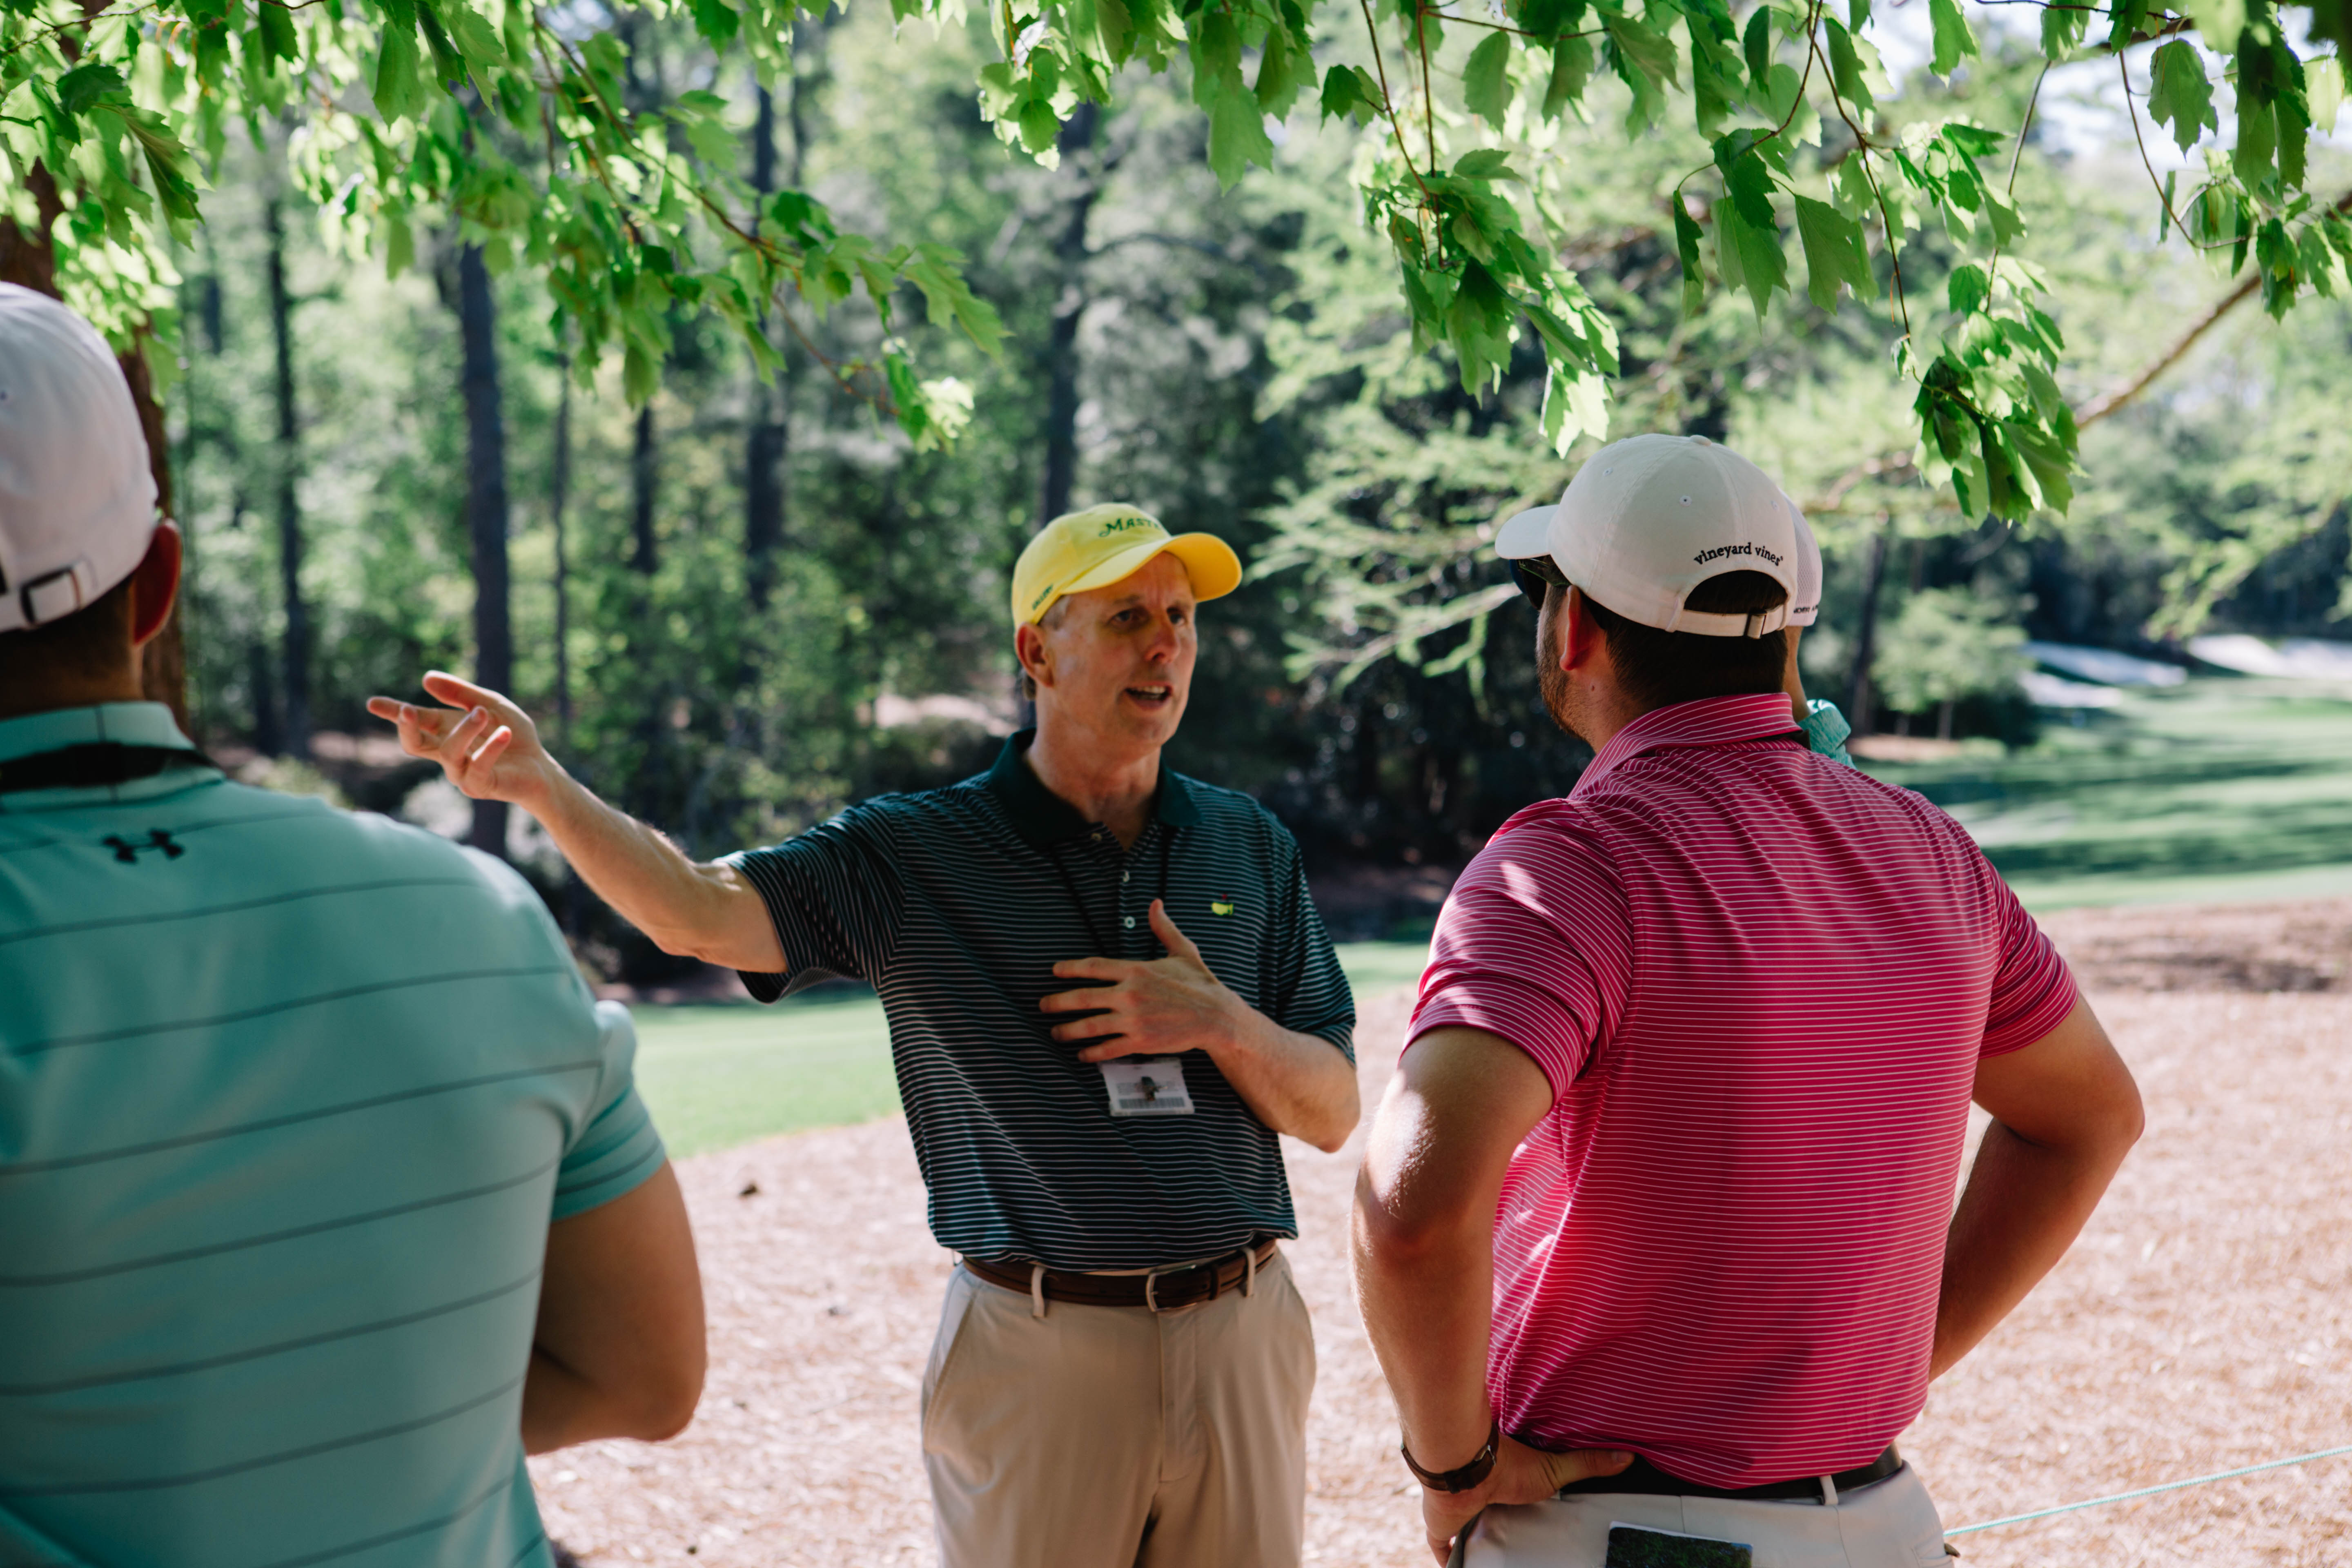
point(289, 1097)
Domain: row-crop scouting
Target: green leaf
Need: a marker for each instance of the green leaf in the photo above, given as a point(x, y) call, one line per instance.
point(716, 21)
point(2063, 27)
point(1757, 47)
point(1686, 248)
point(449, 65)
point(1857, 15)
point(1485, 163)
point(275, 23)
point(1745, 179)
point(1572, 68)
point(2257, 147)
point(1968, 289)
point(1716, 84)
point(2179, 94)
point(1487, 80)
point(1341, 95)
point(2324, 91)
point(84, 87)
point(1750, 256)
point(1216, 59)
point(1237, 135)
point(1845, 69)
point(1954, 40)
point(937, 271)
point(2219, 22)
point(476, 39)
point(399, 93)
point(1281, 71)
point(1647, 51)
point(2125, 21)
point(1834, 253)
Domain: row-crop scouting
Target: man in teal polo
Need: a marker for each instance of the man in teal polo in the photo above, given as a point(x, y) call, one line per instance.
point(324, 1193)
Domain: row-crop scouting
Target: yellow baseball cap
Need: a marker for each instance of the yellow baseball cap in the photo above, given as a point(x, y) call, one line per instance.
point(1107, 544)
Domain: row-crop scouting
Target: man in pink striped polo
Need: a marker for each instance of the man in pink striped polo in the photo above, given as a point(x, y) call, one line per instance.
point(1655, 1236)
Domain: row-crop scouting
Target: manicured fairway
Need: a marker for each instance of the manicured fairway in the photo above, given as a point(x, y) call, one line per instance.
point(2219, 791)
point(719, 1074)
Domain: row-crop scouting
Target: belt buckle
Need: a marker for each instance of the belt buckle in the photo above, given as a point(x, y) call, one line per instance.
point(1151, 1285)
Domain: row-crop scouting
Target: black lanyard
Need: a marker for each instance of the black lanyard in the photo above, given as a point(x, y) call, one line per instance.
point(96, 764)
point(1102, 949)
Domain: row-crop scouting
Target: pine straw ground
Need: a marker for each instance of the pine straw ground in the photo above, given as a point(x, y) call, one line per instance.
point(2204, 1321)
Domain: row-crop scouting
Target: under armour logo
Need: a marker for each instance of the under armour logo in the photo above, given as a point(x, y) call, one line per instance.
point(128, 853)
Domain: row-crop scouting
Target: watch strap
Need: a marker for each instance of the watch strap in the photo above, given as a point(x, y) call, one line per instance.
point(1462, 1477)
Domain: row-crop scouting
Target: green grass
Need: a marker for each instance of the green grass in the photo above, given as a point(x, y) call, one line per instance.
point(2220, 791)
point(718, 1074)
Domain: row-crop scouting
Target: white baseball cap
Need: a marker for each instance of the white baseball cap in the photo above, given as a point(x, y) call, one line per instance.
point(76, 498)
point(1650, 518)
point(1806, 608)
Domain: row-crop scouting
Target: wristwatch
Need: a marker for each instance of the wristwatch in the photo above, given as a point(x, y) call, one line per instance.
point(1465, 1477)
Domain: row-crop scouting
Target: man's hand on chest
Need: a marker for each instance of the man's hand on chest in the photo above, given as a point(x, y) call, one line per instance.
point(1148, 1007)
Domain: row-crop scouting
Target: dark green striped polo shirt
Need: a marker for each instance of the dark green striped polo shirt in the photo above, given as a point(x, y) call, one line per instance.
point(289, 1097)
point(956, 903)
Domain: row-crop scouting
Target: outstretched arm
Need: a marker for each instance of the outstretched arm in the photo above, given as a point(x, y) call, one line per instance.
point(1295, 1083)
point(2065, 1113)
point(1441, 1144)
point(491, 750)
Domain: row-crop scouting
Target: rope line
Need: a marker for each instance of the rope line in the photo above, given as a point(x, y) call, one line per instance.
point(2149, 1491)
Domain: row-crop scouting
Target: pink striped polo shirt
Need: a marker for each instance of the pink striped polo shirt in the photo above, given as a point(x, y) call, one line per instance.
point(1759, 983)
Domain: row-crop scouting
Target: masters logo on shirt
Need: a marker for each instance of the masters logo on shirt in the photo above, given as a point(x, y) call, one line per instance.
point(1223, 904)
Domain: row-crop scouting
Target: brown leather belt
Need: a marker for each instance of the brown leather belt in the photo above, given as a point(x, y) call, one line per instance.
point(1162, 1291)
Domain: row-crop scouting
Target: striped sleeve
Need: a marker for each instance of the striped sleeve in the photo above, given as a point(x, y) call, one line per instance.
point(1310, 994)
point(2033, 989)
point(616, 1149)
point(1534, 945)
point(836, 896)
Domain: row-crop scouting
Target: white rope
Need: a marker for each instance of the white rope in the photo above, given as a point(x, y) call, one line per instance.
point(2149, 1491)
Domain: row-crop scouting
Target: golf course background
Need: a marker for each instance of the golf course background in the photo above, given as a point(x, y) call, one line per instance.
point(2218, 790)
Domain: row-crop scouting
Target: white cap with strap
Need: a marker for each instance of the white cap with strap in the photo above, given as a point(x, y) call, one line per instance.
point(1650, 518)
point(76, 499)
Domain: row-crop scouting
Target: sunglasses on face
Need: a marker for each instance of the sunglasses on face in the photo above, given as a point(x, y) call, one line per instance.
point(1536, 575)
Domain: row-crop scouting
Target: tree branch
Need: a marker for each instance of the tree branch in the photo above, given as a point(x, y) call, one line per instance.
point(2124, 391)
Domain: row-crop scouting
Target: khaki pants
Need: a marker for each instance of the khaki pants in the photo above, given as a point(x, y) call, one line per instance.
point(1887, 1524)
point(1118, 1438)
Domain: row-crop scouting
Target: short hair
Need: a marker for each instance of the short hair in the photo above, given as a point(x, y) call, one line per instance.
point(1659, 668)
point(1054, 616)
point(90, 642)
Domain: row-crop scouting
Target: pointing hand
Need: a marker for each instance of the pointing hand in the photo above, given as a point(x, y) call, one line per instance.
point(485, 745)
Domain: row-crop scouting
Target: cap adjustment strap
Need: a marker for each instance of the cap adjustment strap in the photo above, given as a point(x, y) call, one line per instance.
point(43, 598)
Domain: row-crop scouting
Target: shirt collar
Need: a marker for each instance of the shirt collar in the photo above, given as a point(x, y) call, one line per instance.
point(1043, 817)
point(126, 723)
point(1709, 722)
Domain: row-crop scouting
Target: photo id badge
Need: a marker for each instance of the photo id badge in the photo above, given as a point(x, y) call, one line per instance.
point(1153, 1086)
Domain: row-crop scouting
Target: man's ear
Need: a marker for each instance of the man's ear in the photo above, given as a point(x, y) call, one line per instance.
point(154, 584)
point(1581, 637)
point(1029, 647)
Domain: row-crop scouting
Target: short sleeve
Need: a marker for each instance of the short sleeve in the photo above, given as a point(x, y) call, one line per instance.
point(2033, 989)
point(1310, 994)
point(616, 1149)
point(835, 897)
point(1534, 945)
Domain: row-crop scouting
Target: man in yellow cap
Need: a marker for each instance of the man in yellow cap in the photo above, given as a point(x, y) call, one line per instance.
point(1109, 991)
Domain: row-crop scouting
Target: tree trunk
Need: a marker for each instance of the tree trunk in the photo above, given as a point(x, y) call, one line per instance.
point(559, 493)
point(644, 475)
point(295, 683)
point(1069, 306)
point(486, 508)
point(771, 433)
point(1944, 720)
point(29, 258)
point(1866, 636)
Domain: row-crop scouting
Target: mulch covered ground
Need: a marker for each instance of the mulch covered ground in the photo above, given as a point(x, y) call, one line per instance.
point(2203, 1322)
